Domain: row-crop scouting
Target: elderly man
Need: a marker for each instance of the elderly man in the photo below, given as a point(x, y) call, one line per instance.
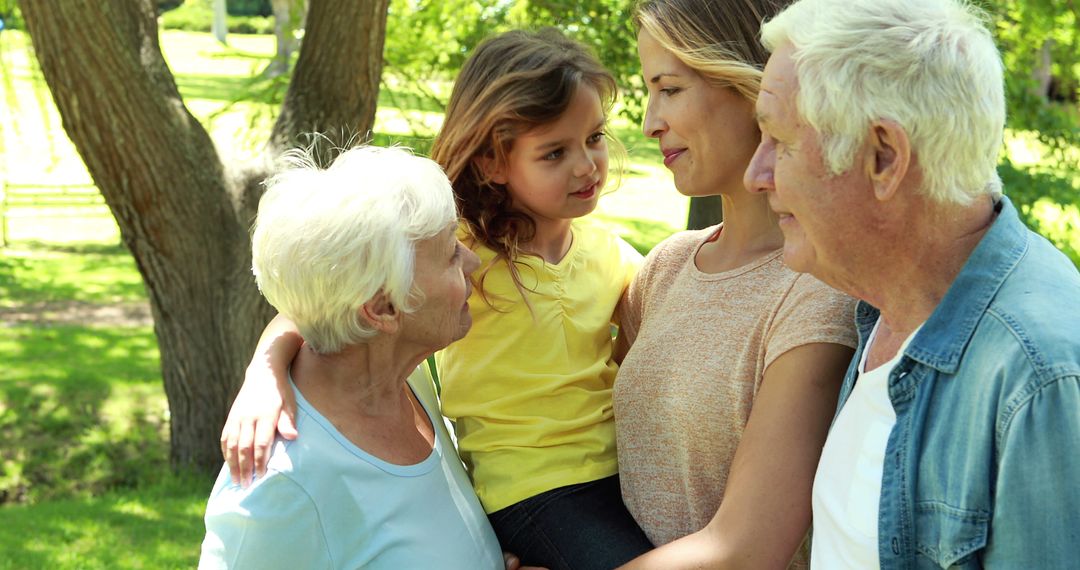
point(957, 440)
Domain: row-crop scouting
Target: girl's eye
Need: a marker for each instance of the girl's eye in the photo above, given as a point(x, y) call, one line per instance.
point(596, 137)
point(457, 253)
point(554, 155)
point(669, 91)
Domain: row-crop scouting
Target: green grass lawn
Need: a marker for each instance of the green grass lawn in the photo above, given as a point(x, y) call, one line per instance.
point(85, 475)
point(157, 527)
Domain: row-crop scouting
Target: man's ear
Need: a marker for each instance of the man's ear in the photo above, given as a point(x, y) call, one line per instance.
point(889, 157)
point(491, 170)
point(381, 314)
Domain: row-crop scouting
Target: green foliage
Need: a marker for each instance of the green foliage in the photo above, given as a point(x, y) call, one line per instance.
point(11, 15)
point(1024, 29)
point(198, 16)
point(1047, 202)
point(248, 7)
point(429, 40)
point(607, 27)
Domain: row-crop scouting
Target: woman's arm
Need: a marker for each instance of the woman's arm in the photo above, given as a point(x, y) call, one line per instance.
point(265, 402)
point(765, 512)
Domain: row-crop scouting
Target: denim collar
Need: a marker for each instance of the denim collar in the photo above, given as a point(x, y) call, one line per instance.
point(943, 338)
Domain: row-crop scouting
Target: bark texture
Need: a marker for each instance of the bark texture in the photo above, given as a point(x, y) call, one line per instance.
point(183, 215)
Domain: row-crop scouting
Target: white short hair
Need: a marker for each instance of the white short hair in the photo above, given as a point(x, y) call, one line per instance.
point(327, 241)
point(929, 65)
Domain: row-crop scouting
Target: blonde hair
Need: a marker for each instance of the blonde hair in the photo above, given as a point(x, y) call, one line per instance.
point(929, 65)
point(512, 83)
point(326, 241)
point(718, 40)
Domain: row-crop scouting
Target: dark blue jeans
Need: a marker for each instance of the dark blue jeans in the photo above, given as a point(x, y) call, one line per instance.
point(578, 527)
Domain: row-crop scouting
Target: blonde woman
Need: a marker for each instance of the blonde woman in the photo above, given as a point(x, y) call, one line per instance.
point(724, 398)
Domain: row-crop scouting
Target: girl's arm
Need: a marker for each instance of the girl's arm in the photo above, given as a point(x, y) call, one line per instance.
point(766, 508)
point(265, 402)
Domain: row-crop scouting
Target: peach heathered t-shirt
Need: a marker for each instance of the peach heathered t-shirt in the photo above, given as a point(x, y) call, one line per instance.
point(700, 345)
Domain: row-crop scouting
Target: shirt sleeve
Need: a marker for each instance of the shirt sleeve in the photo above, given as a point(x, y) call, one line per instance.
point(1036, 513)
point(811, 312)
point(271, 524)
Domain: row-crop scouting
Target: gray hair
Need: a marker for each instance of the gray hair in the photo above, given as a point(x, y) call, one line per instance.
point(929, 65)
point(327, 241)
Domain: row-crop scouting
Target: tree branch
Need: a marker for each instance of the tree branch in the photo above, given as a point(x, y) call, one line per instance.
point(340, 62)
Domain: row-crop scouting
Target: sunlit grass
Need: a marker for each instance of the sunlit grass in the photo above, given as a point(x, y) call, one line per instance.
point(160, 527)
point(87, 273)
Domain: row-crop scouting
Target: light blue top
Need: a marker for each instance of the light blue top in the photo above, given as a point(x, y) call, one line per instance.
point(983, 465)
point(326, 503)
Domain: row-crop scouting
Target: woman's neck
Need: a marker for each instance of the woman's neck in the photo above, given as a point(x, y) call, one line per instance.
point(363, 392)
point(364, 379)
point(750, 231)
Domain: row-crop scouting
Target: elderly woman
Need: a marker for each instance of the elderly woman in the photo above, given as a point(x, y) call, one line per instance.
point(363, 258)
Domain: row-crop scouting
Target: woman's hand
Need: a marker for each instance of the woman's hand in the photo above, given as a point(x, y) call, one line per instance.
point(513, 563)
point(265, 404)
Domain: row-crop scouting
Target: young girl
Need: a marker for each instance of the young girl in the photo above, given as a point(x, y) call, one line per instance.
point(529, 388)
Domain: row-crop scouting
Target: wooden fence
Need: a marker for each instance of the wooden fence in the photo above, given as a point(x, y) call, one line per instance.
point(48, 201)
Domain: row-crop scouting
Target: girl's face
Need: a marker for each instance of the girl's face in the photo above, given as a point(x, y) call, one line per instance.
point(555, 172)
point(707, 133)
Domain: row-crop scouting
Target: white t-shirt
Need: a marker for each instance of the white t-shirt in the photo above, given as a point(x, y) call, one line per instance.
point(847, 487)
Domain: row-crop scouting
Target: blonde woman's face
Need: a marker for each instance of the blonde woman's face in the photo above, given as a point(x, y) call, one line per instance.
point(707, 133)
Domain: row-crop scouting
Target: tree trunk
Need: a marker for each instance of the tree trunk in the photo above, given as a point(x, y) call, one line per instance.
point(335, 86)
point(1043, 72)
point(219, 27)
point(704, 212)
point(288, 18)
point(184, 218)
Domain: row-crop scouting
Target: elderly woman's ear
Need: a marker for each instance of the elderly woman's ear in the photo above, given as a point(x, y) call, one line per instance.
point(381, 314)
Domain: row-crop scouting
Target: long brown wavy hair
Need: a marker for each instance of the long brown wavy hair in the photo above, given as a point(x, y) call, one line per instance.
point(513, 83)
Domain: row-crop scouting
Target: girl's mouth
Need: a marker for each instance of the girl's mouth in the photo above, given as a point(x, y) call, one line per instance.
point(587, 193)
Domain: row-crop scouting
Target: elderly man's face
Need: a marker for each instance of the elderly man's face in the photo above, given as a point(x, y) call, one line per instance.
point(817, 210)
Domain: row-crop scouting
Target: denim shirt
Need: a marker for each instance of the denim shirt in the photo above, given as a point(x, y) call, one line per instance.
point(983, 465)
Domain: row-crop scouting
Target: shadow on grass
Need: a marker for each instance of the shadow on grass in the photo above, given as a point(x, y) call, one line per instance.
point(216, 87)
point(38, 272)
point(263, 89)
point(157, 526)
point(82, 412)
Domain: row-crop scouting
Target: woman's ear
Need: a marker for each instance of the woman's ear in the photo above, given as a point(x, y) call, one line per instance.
point(490, 168)
point(381, 314)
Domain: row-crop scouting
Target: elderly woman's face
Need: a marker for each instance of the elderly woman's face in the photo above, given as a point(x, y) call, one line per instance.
point(443, 266)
